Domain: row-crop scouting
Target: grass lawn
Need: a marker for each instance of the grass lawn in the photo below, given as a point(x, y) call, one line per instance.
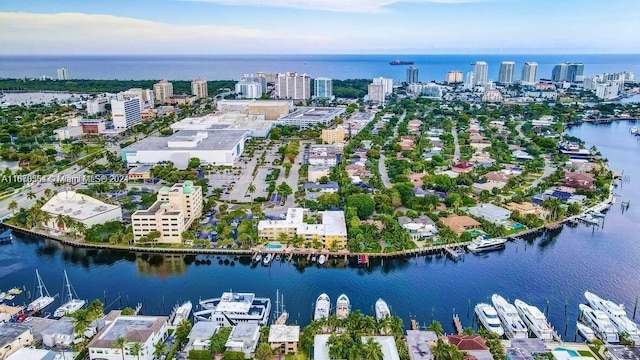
point(585, 353)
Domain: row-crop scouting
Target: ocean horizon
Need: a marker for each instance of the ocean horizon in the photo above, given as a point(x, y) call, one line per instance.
point(337, 66)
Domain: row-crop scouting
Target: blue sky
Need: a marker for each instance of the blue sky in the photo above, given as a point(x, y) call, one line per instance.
point(318, 26)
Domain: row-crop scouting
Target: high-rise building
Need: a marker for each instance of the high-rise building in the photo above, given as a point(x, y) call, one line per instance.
point(454, 77)
point(412, 75)
point(529, 72)
point(575, 72)
point(96, 106)
point(172, 213)
point(387, 84)
point(291, 85)
point(376, 92)
point(559, 72)
point(323, 88)
point(248, 89)
point(481, 71)
point(146, 97)
point(471, 80)
point(126, 113)
point(63, 74)
point(589, 83)
point(607, 91)
point(507, 72)
point(162, 91)
point(432, 90)
point(262, 78)
point(199, 88)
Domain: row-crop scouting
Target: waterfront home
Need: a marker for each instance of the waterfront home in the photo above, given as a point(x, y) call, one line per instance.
point(468, 342)
point(463, 167)
point(285, 338)
point(333, 228)
point(459, 224)
point(60, 334)
point(419, 343)
point(525, 349)
point(244, 338)
point(583, 181)
point(82, 208)
point(387, 345)
point(14, 336)
point(41, 354)
point(525, 208)
point(419, 228)
point(491, 213)
point(200, 335)
point(545, 120)
point(520, 155)
point(145, 330)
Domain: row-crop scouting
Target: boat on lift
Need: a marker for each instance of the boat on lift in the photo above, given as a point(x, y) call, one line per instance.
point(343, 306)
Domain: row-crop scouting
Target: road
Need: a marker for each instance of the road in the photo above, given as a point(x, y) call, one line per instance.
point(382, 167)
point(548, 170)
point(456, 150)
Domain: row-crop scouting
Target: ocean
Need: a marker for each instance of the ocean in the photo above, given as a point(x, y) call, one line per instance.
point(551, 271)
point(232, 67)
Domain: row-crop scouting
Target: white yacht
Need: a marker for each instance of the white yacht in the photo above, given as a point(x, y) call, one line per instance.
point(266, 260)
point(489, 318)
point(600, 323)
point(513, 325)
point(382, 309)
point(586, 332)
point(343, 306)
point(73, 304)
point(535, 320)
point(481, 244)
point(616, 313)
point(232, 308)
point(322, 259)
point(182, 313)
point(43, 300)
point(323, 305)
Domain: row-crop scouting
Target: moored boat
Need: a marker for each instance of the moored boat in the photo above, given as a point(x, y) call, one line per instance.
point(512, 324)
point(43, 300)
point(266, 260)
point(586, 332)
point(480, 244)
point(617, 314)
point(535, 319)
point(382, 309)
point(488, 317)
point(600, 323)
point(73, 304)
point(322, 259)
point(182, 313)
point(343, 306)
point(323, 305)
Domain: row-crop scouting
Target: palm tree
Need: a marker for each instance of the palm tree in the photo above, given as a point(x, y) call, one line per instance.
point(31, 195)
point(251, 189)
point(81, 228)
point(47, 193)
point(436, 327)
point(120, 343)
point(13, 205)
point(136, 349)
point(372, 350)
point(60, 222)
point(159, 349)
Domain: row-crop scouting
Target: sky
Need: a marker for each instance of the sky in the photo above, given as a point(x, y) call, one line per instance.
point(69, 27)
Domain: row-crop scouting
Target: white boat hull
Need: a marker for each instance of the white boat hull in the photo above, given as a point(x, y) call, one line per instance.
point(40, 303)
point(540, 327)
point(69, 307)
point(514, 327)
point(495, 328)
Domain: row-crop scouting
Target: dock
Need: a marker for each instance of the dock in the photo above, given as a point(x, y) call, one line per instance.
point(414, 325)
point(453, 253)
point(457, 324)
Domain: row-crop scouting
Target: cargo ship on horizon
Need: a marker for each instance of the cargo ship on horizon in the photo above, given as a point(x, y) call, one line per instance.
point(401, 62)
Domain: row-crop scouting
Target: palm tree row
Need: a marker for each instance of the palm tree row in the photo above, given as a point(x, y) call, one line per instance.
point(36, 217)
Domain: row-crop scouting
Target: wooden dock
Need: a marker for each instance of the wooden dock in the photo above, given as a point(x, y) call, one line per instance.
point(457, 324)
point(414, 325)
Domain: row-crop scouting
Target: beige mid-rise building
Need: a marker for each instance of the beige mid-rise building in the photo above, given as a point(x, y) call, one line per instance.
point(199, 88)
point(330, 136)
point(162, 91)
point(333, 228)
point(454, 77)
point(172, 213)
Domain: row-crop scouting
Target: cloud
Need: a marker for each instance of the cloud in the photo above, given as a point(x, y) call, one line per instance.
point(363, 6)
point(77, 33)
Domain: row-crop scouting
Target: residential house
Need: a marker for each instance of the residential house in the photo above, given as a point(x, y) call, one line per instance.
point(413, 126)
point(463, 167)
point(285, 338)
point(419, 228)
point(475, 346)
point(575, 180)
point(357, 169)
point(491, 213)
point(200, 335)
point(525, 208)
point(314, 190)
point(407, 143)
point(460, 224)
point(244, 338)
point(419, 343)
point(315, 172)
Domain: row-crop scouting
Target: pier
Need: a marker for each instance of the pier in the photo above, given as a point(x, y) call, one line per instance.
point(457, 324)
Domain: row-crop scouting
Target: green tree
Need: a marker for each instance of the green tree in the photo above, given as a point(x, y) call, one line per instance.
point(263, 352)
point(127, 311)
point(284, 189)
point(120, 343)
point(372, 350)
point(436, 327)
point(363, 204)
point(194, 163)
point(218, 340)
point(13, 205)
point(136, 349)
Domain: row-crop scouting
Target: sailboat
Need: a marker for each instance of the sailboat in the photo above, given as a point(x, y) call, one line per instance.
point(43, 300)
point(72, 305)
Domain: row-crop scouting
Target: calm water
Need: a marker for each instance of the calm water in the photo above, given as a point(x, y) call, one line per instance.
point(552, 268)
point(432, 67)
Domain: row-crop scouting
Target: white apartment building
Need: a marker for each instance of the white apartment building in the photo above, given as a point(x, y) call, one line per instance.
point(291, 85)
point(481, 71)
point(323, 88)
point(607, 91)
point(454, 77)
point(306, 117)
point(471, 80)
point(146, 97)
point(248, 89)
point(145, 330)
point(97, 105)
point(529, 72)
point(63, 74)
point(162, 91)
point(376, 93)
point(199, 88)
point(126, 113)
point(173, 212)
point(387, 84)
point(507, 72)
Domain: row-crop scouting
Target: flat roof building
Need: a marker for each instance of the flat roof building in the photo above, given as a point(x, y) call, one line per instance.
point(285, 338)
point(173, 212)
point(199, 88)
point(211, 147)
point(244, 338)
point(419, 343)
point(145, 330)
point(79, 207)
point(14, 336)
point(330, 136)
point(291, 85)
point(332, 230)
point(126, 113)
point(255, 124)
point(306, 117)
point(41, 354)
point(323, 155)
point(162, 90)
point(200, 335)
point(490, 212)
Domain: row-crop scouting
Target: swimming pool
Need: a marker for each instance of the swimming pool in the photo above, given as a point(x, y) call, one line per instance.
point(572, 353)
point(517, 226)
point(274, 246)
